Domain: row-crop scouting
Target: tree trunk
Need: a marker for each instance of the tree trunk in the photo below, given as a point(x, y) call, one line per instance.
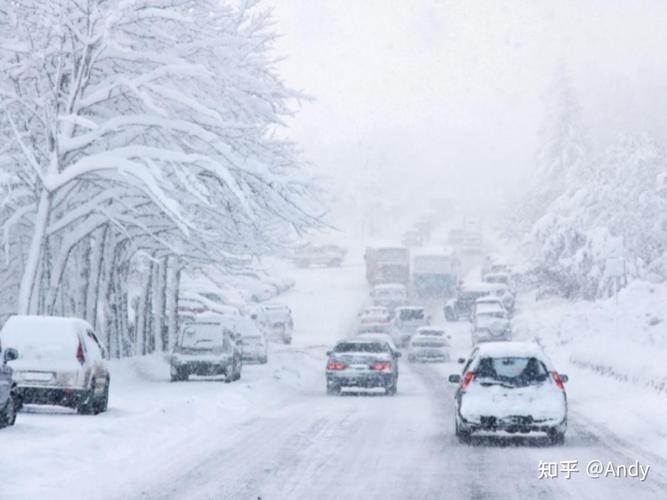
point(26, 304)
point(173, 284)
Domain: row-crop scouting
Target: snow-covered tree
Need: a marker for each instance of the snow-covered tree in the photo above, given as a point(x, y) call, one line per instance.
point(137, 127)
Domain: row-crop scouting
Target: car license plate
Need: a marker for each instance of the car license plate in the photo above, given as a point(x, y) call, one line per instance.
point(38, 376)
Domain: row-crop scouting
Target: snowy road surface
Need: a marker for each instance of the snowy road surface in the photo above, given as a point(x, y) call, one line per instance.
point(276, 435)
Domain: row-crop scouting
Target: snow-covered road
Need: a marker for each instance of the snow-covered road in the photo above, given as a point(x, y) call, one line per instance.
point(276, 435)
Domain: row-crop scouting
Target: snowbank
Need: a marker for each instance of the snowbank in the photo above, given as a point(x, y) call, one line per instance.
point(627, 341)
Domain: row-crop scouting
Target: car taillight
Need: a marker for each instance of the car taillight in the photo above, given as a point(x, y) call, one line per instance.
point(559, 382)
point(381, 367)
point(80, 357)
point(466, 381)
point(335, 365)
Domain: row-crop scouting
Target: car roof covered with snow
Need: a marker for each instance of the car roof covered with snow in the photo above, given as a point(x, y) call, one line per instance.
point(511, 350)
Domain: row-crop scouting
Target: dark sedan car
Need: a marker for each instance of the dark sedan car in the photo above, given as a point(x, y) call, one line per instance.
point(362, 363)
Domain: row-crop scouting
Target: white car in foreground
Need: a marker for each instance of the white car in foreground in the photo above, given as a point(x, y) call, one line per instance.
point(429, 344)
point(509, 388)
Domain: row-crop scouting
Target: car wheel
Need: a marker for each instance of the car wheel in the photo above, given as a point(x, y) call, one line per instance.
point(390, 389)
point(87, 405)
point(178, 374)
point(333, 389)
point(556, 437)
point(102, 404)
point(8, 413)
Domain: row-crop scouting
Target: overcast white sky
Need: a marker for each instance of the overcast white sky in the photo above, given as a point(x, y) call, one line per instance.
point(444, 95)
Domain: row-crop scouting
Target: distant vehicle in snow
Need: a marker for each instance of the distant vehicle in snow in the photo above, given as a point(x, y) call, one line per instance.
point(434, 272)
point(510, 387)
point(463, 306)
point(429, 344)
point(374, 314)
point(275, 320)
point(255, 345)
point(9, 398)
point(489, 300)
point(387, 263)
point(406, 321)
point(389, 296)
point(490, 323)
point(192, 304)
point(320, 255)
point(60, 362)
point(208, 346)
point(361, 363)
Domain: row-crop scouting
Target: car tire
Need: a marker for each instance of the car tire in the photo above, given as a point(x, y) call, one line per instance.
point(333, 390)
point(102, 404)
point(391, 389)
point(8, 413)
point(556, 438)
point(87, 405)
point(179, 375)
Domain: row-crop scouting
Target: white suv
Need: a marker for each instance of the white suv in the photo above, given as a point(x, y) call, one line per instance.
point(60, 362)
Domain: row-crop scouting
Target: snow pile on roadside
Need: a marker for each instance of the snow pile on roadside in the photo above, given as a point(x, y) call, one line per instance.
point(627, 341)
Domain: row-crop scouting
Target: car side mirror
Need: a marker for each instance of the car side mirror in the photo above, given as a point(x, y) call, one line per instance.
point(461, 361)
point(455, 379)
point(329, 353)
point(10, 354)
point(563, 378)
point(398, 354)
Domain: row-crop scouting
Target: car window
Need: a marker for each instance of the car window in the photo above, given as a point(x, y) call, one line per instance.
point(412, 314)
point(361, 347)
point(513, 370)
point(95, 349)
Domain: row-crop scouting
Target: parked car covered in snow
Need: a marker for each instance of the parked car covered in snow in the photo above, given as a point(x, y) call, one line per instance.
point(429, 344)
point(320, 255)
point(9, 398)
point(390, 295)
point(362, 363)
point(406, 321)
point(255, 345)
point(275, 320)
point(60, 362)
point(510, 387)
point(207, 346)
point(489, 300)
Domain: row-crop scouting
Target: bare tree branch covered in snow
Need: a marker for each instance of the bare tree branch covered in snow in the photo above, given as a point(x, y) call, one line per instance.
point(137, 129)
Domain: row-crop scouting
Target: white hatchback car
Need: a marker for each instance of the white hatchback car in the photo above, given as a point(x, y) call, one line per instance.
point(510, 387)
point(60, 362)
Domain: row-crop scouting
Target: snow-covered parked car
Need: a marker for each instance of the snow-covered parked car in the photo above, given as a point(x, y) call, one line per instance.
point(389, 295)
point(406, 321)
point(193, 304)
point(510, 387)
point(209, 345)
point(60, 362)
point(429, 344)
point(490, 324)
point(320, 255)
point(255, 345)
point(362, 363)
point(9, 399)
point(275, 320)
point(489, 300)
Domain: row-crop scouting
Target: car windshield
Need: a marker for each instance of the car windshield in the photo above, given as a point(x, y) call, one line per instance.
point(361, 347)
point(489, 315)
point(516, 371)
point(200, 335)
point(432, 333)
point(252, 340)
point(428, 342)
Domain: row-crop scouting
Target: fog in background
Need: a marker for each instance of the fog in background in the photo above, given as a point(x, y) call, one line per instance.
point(446, 97)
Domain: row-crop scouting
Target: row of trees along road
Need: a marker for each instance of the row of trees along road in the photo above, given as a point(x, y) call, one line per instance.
point(137, 138)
